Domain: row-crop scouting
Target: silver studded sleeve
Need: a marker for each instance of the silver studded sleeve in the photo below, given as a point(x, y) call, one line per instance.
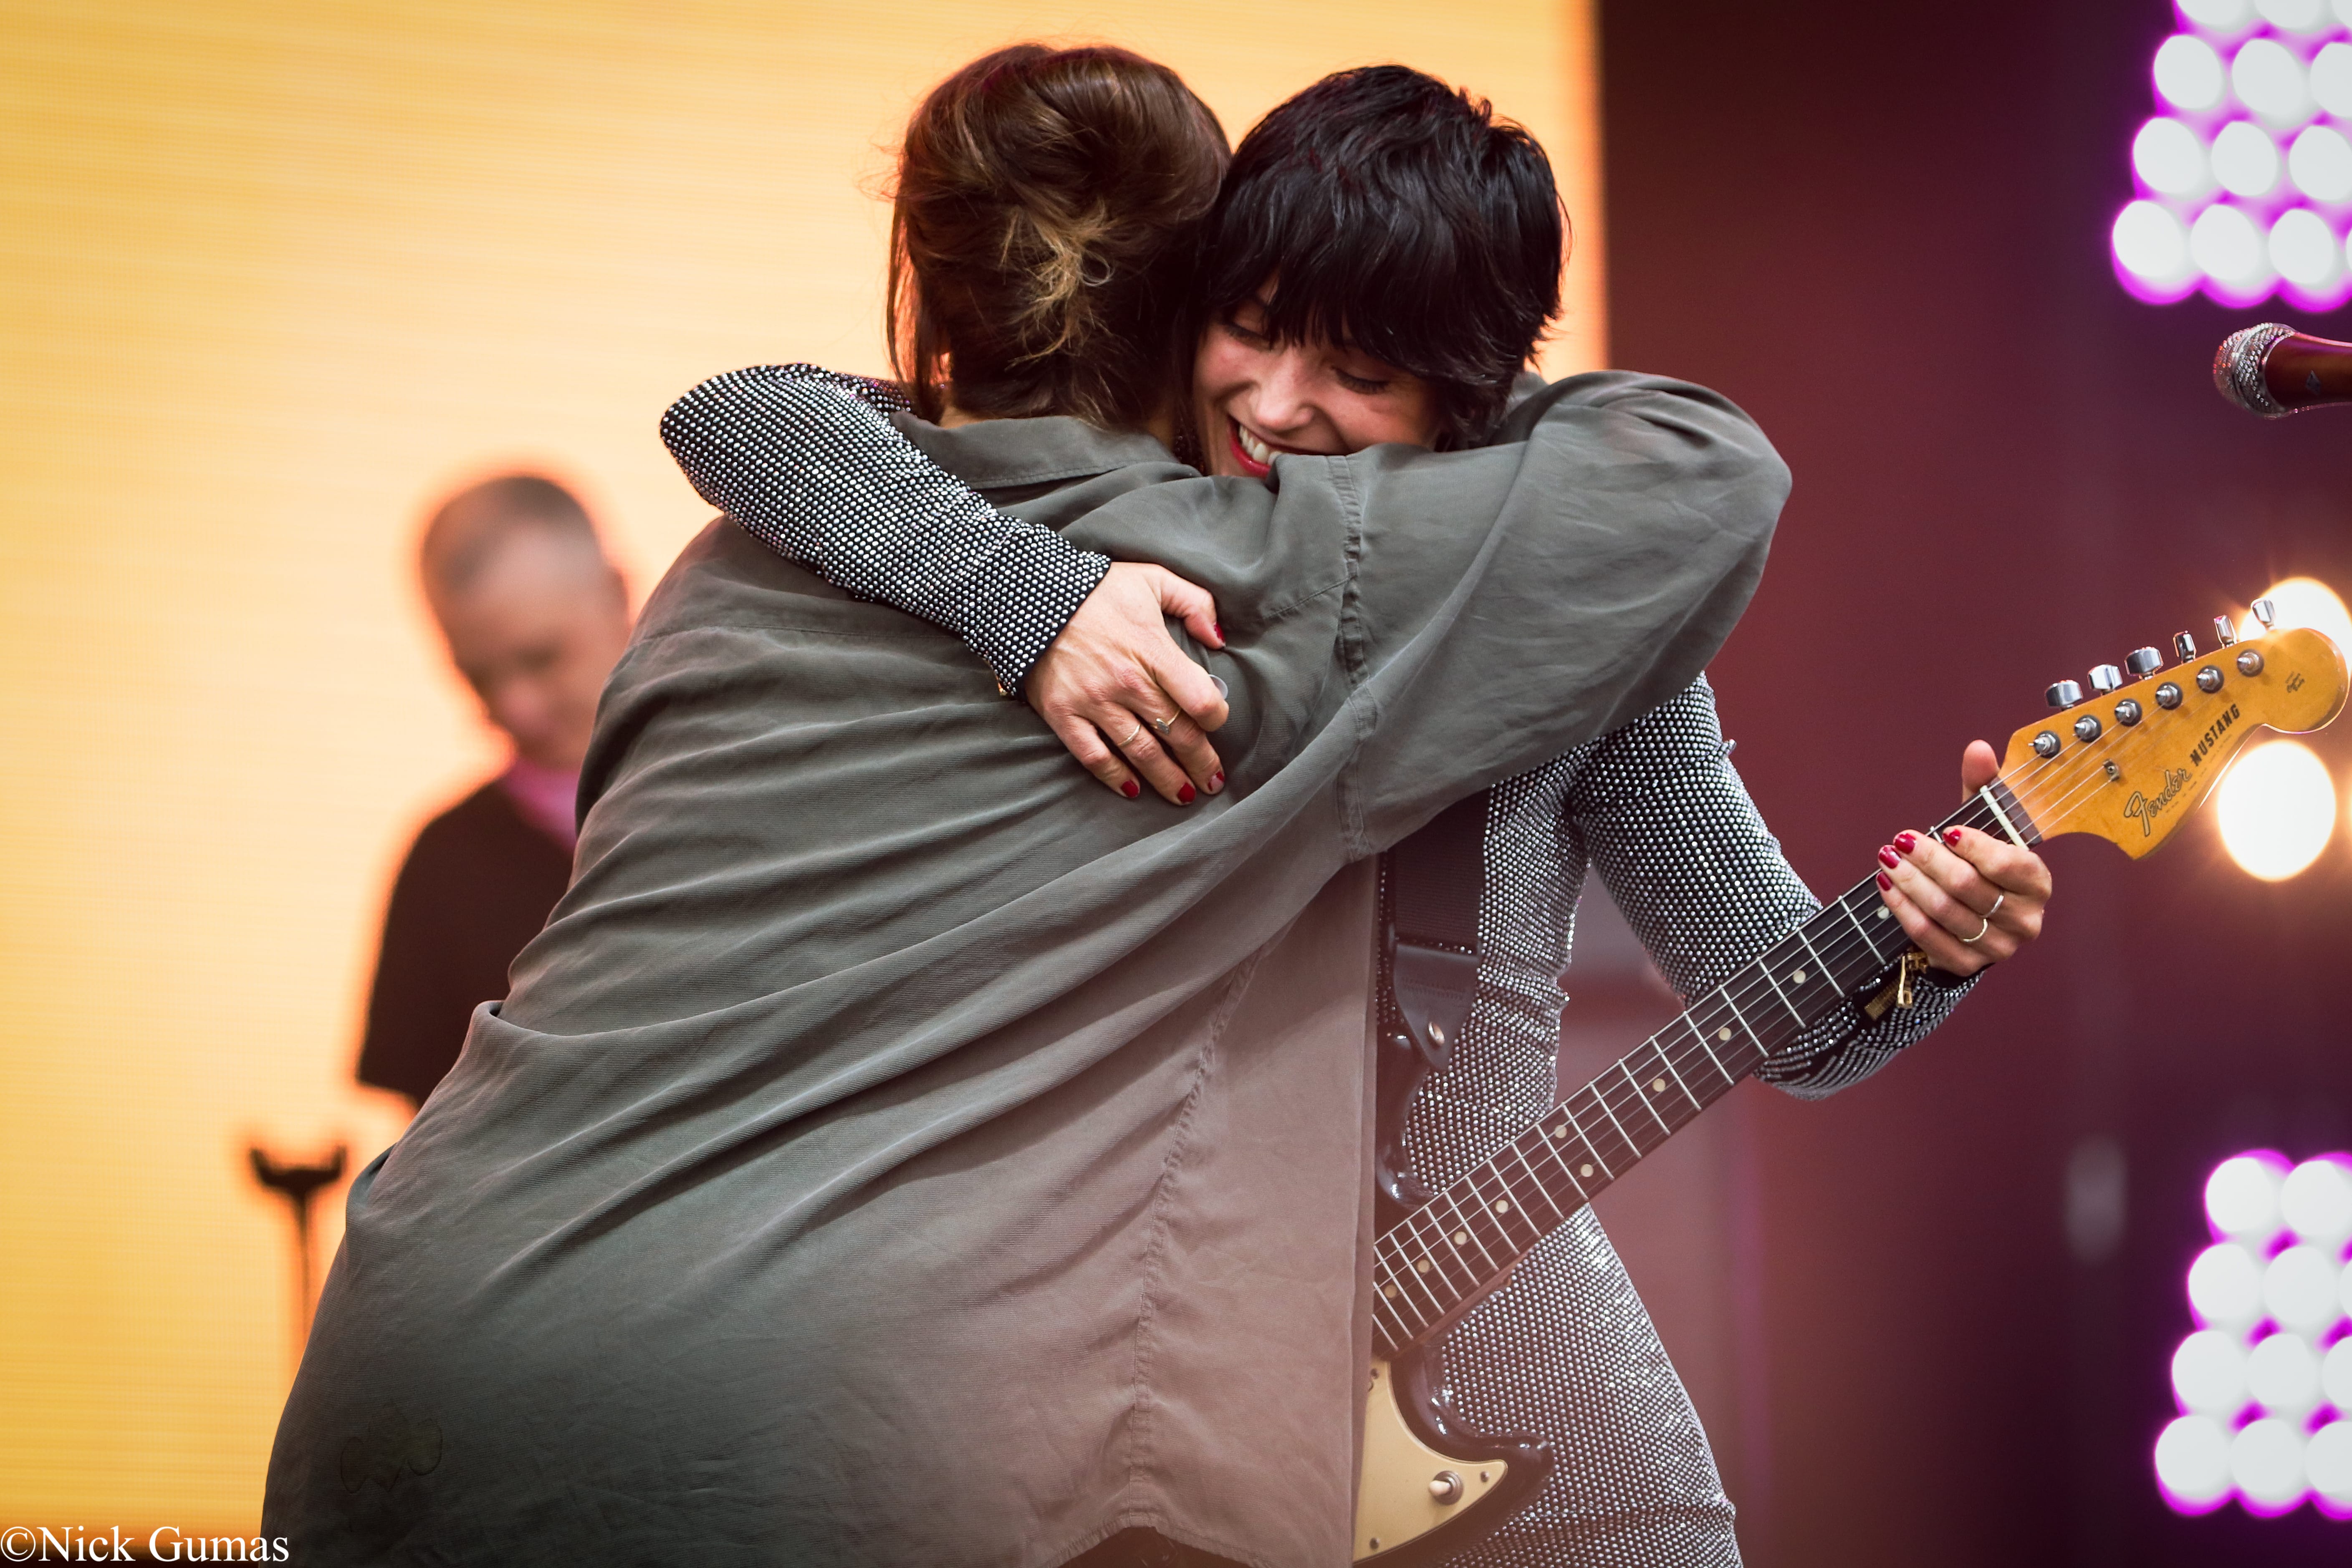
point(934, 548)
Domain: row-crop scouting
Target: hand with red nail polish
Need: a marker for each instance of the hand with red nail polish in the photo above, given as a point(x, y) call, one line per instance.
point(1186, 796)
point(1952, 836)
point(1887, 858)
point(1885, 882)
point(1216, 781)
point(1906, 841)
point(1130, 789)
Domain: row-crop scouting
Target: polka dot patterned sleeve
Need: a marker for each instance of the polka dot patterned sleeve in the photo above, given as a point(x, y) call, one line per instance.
point(1684, 853)
point(807, 462)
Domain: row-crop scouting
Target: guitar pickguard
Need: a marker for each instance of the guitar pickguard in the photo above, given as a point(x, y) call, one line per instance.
point(1428, 1484)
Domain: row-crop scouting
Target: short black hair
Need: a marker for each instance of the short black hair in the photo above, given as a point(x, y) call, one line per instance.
point(1402, 217)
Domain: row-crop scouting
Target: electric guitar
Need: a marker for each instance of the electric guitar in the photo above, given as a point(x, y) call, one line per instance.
point(2129, 765)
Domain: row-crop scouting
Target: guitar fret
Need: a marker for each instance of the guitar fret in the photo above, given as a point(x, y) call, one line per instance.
point(1698, 1105)
point(1741, 1019)
point(1662, 1124)
point(1867, 940)
point(1586, 1139)
point(1558, 1213)
point(1700, 1036)
point(1765, 969)
point(1829, 976)
point(1551, 1146)
point(1621, 1133)
point(1508, 1206)
point(1454, 1202)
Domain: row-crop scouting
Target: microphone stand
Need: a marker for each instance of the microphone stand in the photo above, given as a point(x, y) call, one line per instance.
point(299, 1185)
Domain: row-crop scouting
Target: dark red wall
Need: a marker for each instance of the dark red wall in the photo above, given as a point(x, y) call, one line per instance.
point(1883, 230)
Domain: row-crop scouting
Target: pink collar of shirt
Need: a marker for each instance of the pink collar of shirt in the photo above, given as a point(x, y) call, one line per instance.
point(546, 799)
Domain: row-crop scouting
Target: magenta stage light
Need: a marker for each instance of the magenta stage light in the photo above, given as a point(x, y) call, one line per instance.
point(2264, 1383)
point(2244, 178)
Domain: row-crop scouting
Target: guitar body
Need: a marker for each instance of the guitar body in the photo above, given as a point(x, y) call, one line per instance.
point(1429, 1485)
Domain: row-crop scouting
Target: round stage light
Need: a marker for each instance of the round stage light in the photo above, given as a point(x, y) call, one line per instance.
point(2320, 163)
point(2293, 15)
point(2335, 1376)
point(2209, 1374)
point(2327, 1463)
point(2308, 602)
point(2226, 246)
point(2188, 73)
point(2225, 1287)
point(2169, 158)
point(2266, 1462)
point(2276, 808)
point(2331, 80)
point(2315, 1201)
point(2270, 80)
point(2299, 1289)
point(2220, 16)
point(2192, 1462)
point(2150, 244)
point(2304, 250)
point(2241, 1197)
point(2245, 159)
point(2282, 1374)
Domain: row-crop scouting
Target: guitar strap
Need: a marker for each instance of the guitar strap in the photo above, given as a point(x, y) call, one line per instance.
point(1434, 881)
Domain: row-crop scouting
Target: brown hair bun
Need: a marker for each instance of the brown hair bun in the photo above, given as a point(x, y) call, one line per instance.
point(1041, 234)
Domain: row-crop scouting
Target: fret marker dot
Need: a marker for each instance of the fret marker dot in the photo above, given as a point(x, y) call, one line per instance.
point(1502, 1207)
point(1798, 978)
point(1657, 1085)
point(1724, 1033)
point(1584, 1170)
point(1560, 1132)
point(1882, 912)
point(1460, 1236)
point(1389, 1291)
point(1421, 1265)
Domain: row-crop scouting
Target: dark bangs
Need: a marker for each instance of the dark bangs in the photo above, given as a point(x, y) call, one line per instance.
point(1396, 215)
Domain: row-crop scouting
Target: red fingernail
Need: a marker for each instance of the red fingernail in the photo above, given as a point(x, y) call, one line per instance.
point(1907, 842)
point(1888, 858)
point(1886, 883)
point(1952, 836)
point(1185, 797)
point(1216, 781)
point(1130, 789)
point(1218, 627)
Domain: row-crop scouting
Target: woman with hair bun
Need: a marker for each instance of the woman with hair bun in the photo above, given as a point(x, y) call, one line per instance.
point(899, 1148)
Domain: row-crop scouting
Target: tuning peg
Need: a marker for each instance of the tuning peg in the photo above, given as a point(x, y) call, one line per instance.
point(2265, 612)
point(2184, 646)
point(2223, 633)
point(2142, 661)
point(2063, 694)
point(2105, 678)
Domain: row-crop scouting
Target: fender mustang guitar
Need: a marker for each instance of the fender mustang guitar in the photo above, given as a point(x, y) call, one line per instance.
point(2127, 765)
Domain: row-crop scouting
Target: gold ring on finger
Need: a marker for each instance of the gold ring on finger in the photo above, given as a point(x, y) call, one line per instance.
point(1160, 727)
point(1131, 734)
point(1971, 940)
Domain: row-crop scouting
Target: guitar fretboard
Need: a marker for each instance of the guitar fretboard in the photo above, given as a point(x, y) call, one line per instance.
point(1451, 1247)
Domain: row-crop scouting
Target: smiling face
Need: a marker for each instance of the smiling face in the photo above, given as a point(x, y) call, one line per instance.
point(1254, 399)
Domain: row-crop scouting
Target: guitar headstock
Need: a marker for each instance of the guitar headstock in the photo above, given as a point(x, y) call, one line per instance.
point(2130, 764)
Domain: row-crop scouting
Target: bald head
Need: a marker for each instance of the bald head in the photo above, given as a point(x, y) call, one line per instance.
point(535, 614)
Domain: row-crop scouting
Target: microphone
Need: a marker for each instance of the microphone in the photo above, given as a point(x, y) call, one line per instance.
point(2275, 371)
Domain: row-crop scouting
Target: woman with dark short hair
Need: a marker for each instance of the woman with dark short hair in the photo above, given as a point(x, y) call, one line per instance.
point(1379, 265)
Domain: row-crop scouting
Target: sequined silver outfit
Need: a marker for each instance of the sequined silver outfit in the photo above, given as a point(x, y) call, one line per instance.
point(1565, 1351)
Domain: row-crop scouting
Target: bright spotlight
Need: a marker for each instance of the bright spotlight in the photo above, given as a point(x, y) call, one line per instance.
point(2192, 1462)
point(2188, 73)
point(2224, 242)
point(2320, 163)
point(2315, 1201)
point(2303, 249)
point(2299, 1289)
point(2331, 78)
point(2276, 808)
point(2151, 244)
point(2307, 602)
point(2282, 1374)
point(2335, 1376)
point(2242, 1198)
point(2209, 1374)
point(2293, 15)
point(2266, 1462)
point(2327, 1463)
point(2225, 1287)
point(2270, 80)
point(2169, 158)
point(2245, 159)
point(2218, 15)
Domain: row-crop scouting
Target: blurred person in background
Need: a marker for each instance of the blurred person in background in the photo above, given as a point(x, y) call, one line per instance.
point(534, 615)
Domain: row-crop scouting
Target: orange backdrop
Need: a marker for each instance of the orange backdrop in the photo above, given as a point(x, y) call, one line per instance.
point(270, 275)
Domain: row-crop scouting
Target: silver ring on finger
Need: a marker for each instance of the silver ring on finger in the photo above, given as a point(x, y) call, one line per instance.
point(1160, 727)
point(1131, 734)
point(1972, 941)
point(1997, 899)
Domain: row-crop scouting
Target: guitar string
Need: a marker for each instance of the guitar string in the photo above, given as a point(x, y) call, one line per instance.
point(2029, 790)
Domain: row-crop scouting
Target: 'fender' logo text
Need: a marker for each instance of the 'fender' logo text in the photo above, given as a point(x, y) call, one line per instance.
point(2204, 747)
point(2148, 807)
